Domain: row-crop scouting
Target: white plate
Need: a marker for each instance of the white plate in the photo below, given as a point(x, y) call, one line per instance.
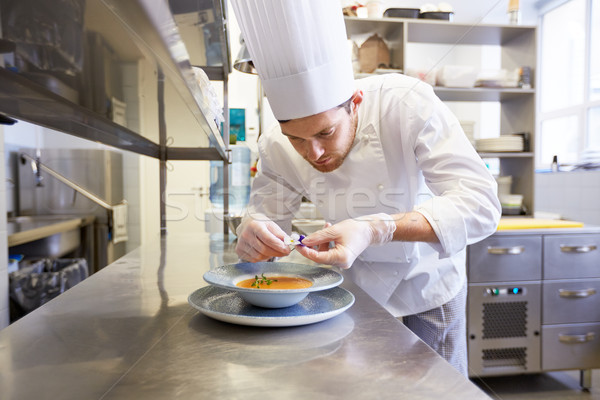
point(226, 305)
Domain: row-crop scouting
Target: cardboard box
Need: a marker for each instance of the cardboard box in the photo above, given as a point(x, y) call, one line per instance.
point(373, 54)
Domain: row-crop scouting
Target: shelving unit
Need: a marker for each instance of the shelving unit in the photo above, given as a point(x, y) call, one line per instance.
point(152, 31)
point(517, 106)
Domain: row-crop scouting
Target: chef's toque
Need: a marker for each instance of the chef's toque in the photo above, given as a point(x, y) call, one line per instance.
point(299, 48)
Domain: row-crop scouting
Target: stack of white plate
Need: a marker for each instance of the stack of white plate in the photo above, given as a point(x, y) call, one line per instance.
point(502, 143)
point(590, 156)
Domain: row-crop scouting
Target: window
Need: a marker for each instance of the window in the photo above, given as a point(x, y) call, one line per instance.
point(595, 54)
point(569, 106)
point(593, 126)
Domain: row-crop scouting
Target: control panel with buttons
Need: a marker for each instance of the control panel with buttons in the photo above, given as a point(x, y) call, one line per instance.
point(504, 291)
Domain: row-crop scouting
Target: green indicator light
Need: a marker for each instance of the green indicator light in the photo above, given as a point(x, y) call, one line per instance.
point(495, 292)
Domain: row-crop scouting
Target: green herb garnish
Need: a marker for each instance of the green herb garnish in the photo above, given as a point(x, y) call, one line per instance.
point(263, 280)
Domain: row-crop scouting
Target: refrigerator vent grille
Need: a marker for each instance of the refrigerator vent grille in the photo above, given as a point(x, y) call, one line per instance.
point(509, 357)
point(504, 320)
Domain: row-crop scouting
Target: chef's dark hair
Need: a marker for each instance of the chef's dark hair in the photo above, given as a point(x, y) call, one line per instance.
point(347, 105)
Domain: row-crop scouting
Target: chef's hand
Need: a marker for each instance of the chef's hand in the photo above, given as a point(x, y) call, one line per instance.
point(350, 238)
point(259, 239)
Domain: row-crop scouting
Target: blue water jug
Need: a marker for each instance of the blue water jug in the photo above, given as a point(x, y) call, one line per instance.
point(239, 179)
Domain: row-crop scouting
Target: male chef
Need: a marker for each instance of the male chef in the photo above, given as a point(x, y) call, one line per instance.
point(384, 161)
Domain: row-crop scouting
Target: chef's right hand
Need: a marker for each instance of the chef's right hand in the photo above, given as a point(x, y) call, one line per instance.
point(349, 237)
point(259, 239)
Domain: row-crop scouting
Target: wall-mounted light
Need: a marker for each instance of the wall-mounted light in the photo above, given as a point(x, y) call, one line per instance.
point(243, 62)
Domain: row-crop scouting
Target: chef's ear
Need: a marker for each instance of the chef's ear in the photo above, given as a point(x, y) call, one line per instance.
point(356, 99)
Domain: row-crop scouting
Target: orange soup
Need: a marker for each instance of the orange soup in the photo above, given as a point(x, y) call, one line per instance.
point(275, 282)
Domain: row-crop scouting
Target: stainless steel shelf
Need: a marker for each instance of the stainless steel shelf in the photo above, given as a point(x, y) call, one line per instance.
point(213, 73)
point(23, 99)
point(134, 29)
point(193, 154)
point(206, 19)
point(152, 27)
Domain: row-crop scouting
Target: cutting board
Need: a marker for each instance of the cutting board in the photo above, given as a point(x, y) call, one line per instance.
point(535, 223)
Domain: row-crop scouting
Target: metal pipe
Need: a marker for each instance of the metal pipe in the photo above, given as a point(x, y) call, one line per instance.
point(226, 166)
point(40, 166)
point(162, 157)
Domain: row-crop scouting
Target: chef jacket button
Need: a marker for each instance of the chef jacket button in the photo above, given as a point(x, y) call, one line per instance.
point(395, 273)
point(380, 187)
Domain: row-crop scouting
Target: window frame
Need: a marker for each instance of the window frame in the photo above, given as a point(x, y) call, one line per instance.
point(580, 111)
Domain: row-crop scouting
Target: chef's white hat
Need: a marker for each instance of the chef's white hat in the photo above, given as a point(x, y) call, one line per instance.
point(299, 48)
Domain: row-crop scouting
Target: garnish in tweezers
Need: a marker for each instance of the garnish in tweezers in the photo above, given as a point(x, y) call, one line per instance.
point(294, 239)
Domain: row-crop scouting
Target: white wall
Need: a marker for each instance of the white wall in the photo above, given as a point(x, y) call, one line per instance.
point(186, 180)
point(131, 161)
point(148, 167)
point(572, 195)
point(4, 317)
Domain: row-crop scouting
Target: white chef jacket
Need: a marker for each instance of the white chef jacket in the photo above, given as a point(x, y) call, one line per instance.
point(409, 153)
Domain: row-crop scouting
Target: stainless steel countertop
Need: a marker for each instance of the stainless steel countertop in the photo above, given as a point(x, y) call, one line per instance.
point(128, 332)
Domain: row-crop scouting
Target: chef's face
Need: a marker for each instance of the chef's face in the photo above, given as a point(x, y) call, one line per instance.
point(325, 139)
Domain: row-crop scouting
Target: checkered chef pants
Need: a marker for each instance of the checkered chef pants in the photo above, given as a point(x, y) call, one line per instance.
point(444, 329)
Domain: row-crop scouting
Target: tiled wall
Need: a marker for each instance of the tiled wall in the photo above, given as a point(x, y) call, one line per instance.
point(573, 195)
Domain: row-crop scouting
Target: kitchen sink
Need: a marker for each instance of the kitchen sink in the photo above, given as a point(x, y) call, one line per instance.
point(45, 235)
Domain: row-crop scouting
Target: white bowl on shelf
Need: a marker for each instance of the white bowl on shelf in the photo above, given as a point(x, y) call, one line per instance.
point(513, 201)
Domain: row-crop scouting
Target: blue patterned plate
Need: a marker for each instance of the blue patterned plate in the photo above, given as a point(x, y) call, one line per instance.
point(226, 305)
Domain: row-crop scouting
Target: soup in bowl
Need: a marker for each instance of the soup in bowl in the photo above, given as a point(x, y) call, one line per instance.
point(273, 284)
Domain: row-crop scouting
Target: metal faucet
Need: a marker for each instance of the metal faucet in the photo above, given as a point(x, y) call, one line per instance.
point(37, 170)
point(37, 167)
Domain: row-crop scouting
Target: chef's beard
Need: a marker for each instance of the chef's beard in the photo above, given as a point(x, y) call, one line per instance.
point(338, 157)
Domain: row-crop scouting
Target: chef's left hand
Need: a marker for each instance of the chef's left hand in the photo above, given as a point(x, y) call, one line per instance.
point(350, 238)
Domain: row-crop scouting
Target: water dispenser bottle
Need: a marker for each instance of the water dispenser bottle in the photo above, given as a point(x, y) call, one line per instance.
point(239, 179)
